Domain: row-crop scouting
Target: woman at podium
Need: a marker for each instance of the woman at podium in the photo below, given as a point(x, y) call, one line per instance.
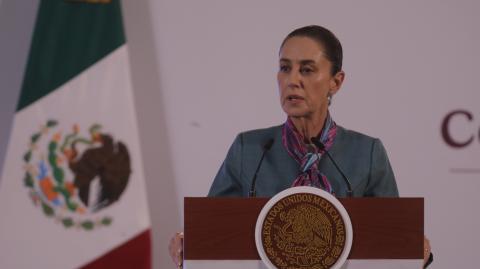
point(309, 75)
point(309, 148)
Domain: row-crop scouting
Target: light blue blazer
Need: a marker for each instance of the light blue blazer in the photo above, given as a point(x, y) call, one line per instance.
point(363, 160)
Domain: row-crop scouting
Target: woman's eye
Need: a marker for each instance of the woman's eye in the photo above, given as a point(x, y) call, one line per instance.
point(306, 70)
point(284, 68)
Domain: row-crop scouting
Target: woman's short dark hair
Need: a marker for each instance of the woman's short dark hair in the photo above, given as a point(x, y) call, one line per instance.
point(325, 38)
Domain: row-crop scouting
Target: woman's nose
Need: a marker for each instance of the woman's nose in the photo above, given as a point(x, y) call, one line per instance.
point(294, 80)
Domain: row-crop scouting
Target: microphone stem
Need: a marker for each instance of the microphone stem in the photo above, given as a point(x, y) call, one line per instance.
point(321, 146)
point(252, 192)
point(349, 186)
point(266, 147)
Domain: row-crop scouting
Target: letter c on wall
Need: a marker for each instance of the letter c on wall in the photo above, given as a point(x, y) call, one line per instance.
point(445, 130)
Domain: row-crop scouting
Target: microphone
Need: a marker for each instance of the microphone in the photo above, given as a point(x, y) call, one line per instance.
point(322, 147)
point(266, 147)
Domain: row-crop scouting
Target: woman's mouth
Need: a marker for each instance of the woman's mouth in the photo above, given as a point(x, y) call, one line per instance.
point(294, 98)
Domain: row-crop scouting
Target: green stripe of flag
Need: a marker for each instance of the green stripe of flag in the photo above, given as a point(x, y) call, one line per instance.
point(69, 37)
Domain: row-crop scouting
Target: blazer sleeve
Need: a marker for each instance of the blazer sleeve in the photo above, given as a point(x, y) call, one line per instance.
point(227, 181)
point(382, 180)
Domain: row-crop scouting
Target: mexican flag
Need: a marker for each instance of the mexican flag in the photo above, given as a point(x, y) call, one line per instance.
point(72, 193)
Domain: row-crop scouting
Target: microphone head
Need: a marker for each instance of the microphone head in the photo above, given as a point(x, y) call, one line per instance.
point(317, 143)
point(268, 144)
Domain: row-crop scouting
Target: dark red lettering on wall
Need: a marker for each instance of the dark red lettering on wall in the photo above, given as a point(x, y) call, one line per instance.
point(446, 132)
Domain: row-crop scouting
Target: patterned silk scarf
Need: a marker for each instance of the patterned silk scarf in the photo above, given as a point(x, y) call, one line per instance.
point(308, 155)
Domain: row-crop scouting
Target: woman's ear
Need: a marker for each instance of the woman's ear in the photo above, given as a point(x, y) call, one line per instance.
point(336, 82)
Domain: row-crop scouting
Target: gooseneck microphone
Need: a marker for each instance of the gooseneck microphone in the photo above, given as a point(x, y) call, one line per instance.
point(321, 146)
point(266, 147)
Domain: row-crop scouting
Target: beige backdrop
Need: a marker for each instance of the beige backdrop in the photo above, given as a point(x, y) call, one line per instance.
point(205, 70)
point(408, 64)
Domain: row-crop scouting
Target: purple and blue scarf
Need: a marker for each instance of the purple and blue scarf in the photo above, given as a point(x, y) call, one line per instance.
point(307, 154)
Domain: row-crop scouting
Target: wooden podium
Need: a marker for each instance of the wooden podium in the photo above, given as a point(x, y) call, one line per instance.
point(219, 232)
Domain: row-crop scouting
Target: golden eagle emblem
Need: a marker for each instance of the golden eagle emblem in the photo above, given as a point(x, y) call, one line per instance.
point(306, 232)
point(303, 231)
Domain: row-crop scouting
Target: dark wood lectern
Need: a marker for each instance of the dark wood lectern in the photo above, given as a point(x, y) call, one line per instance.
point(224, 228)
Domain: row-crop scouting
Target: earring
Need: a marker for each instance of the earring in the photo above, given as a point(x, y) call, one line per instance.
point(329, 98)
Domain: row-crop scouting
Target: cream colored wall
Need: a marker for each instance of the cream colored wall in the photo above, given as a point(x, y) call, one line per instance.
point(205, 70)
point(408, 64)
point(154, 139)
point(16, 27)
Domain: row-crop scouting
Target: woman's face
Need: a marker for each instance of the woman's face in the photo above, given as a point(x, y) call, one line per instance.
point(305, 79)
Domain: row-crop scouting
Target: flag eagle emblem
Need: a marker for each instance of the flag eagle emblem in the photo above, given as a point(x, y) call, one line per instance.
point(73, 176)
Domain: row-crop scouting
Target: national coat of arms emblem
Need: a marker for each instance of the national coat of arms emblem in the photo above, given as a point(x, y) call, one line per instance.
point(302, 228)
point(73, 176)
